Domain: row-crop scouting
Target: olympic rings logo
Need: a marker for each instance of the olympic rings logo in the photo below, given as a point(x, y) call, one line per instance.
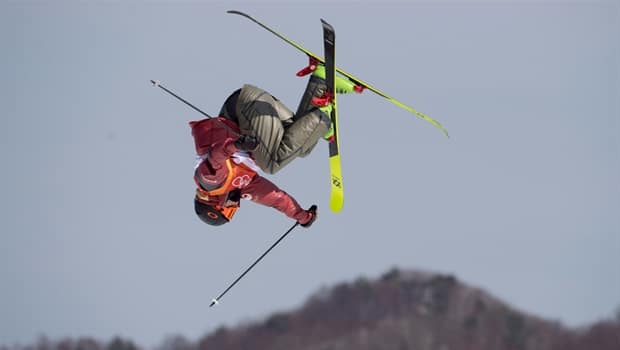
point(241, 181)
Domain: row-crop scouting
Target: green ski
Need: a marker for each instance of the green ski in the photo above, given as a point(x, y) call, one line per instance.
point(347, 75)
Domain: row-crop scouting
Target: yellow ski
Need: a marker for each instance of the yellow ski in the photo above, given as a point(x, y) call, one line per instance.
point(337, 190)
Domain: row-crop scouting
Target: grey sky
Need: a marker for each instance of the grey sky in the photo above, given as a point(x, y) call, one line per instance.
point(98, 234)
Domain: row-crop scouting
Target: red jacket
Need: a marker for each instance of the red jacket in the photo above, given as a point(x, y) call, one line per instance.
point(218, 174)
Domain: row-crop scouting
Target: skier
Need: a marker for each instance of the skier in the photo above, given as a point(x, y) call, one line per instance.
point(283, 136)
point(225, 174)
point(255, 131)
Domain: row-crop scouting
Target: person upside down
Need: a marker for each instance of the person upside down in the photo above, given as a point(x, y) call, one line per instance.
point(255, 131)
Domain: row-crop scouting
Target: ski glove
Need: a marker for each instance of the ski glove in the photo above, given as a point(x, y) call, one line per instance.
point(246, 143)
point(233, 198)
point(313, 211)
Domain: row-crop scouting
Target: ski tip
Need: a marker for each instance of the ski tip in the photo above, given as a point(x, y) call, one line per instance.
point(445, 132)
point(327, 25)
point(235, 12)
point(214, 302)
point(155, 82)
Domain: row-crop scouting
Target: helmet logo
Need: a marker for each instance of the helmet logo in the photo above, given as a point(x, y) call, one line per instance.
point(212, 215)
point(241, 181)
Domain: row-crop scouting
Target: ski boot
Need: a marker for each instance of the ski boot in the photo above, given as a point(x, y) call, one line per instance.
point(329, 135)
point(316, 95)
point(343, 85)
point(324, 102)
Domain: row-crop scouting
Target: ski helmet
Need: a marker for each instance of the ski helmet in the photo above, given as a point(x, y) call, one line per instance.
point(213, 214)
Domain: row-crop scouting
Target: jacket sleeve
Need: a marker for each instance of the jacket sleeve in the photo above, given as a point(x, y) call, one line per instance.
point(264, 192)
point(221, 151)
point(215, 138)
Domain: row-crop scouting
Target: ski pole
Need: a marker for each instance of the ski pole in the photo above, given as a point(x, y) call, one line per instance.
point(158, 84)
point(217, 300)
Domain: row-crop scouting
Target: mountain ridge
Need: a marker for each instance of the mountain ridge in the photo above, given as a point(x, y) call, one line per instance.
point(400, 310)
point(403, 310)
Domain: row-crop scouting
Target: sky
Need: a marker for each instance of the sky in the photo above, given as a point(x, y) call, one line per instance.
point(98, 236)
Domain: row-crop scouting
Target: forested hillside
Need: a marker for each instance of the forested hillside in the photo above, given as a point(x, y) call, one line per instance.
point(399, 311)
